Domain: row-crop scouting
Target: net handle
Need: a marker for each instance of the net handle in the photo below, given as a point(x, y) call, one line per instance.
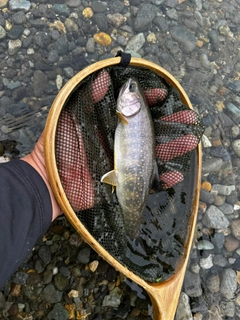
point(165, 295)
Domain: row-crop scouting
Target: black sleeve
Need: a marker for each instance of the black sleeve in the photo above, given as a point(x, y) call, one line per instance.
point(25, 214)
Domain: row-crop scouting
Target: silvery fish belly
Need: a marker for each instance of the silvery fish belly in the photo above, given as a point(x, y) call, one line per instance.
point(134, 158)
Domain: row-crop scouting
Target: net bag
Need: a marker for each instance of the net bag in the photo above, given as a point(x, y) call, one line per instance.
point(84, 151)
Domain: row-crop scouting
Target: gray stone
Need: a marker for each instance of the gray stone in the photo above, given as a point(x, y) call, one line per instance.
point(228, 308)
point(233, 112)
point(98, 7)
point(212, 165)
point(51, 295)
point(16, 5)
point(184, 37)
point(42, 39)
point(44, 253)
point(61, 9)
point(136, 42)
point(183, 309)
point(113, 299)
point(206, 196)
point(192, 284)
point(60, 281)
point(223, 189)
point(206, 263)
point(213, 283)
point(228, 283)
point(2, 33)
point(90, 46)
point(15, 32)
point(84, 255)
point(205, 245)
point(68, 72)
point(14, 46)
point(61, 45)
point(53, 56)
point(70, 25)
point(19, 18)
point(226, 208)
point(218, 240)
point(101, 21)
point(219, 260)
point(146, 13)
point(2, 300)
point(73, 3)
point(214, 218)
point(58, 313)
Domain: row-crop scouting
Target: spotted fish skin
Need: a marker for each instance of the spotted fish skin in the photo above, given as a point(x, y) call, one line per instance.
point(134, 155)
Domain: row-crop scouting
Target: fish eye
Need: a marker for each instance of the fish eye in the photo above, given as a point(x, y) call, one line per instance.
point(133, 86)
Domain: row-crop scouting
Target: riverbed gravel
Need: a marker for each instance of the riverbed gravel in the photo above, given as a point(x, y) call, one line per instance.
point(42, 45)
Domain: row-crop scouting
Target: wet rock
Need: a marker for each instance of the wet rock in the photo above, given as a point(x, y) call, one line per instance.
point(233, 112)
point(14, 46)
point(61, 9)
point(235, 226)
point(73, 3)
point(212, 165)
point(206, 263)
point(220, 261)
point(205, 245)
point(183, 309)
point(2, 300)
point(70, 25)
point(206, 196)
point(84, 255)
point(98, 7)
point(60, 281)
point(116, 19)
point(19, 18)
point(51, 295)
point(2, 33)
point(213, 283)
point(231, 243)
point(101, 21)
point(20, 93)
point(144, 18)
point(113, 299)
point(192, 284)
point(61, 45)
point(184, 37)
point(117, 6)
point(90, 46)
point(16, 5)
point(214, 218)
point(58, 313)
point(42, 39)
point(135, 43)
point(228, 283)
point(218, 240)
point(53, 56)
point(44, 253)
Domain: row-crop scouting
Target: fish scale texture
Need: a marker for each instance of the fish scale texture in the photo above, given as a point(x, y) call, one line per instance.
point(85, 151)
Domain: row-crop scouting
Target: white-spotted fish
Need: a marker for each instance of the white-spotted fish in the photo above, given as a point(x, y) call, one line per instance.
point(134, 155)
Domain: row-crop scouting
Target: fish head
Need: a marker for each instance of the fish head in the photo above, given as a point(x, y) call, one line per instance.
point(129, 99)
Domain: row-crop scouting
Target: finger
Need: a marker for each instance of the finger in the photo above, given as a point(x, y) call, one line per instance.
point(169, 179)
point(185, 116)
point(100, 86)
point(72, 164)
point(155, 95)
point(176, 147)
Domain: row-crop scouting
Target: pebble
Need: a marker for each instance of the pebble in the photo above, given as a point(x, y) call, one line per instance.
point(16, 5)
point(136, 42)
point(39, 83)
point(58, 312)
point(213, 283)
point(87, 13)
point(205, 245)
point(116, 19)
point(206, 263)
point(222, 189)
point(51, 295)
point(90, 46)
point(231, 243)
point(70, 25)
point(146, 13)
point(214, 218)
point(192, 284)
point(61, 9)
point(212, 165)
point(103, 39)
point(235, 226)
point(84, 255)
point(183, 309)
point(184, 37)
point(219, 261)
point(113, 299)
point(14, 46)
point(2, 33)
point(228, 284)
point(3, 3)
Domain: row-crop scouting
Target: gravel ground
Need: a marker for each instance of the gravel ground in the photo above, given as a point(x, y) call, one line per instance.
point(42, 45)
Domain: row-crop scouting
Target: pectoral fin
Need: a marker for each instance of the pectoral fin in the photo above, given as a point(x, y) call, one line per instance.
point(110, 178)
point(122, 118)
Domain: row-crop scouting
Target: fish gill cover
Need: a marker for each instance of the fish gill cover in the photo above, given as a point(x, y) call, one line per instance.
point(155, 250)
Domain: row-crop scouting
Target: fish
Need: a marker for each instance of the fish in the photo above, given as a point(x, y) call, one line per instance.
point(134, 155)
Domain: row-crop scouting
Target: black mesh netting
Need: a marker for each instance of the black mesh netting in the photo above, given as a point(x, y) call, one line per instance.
point(84, 153)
